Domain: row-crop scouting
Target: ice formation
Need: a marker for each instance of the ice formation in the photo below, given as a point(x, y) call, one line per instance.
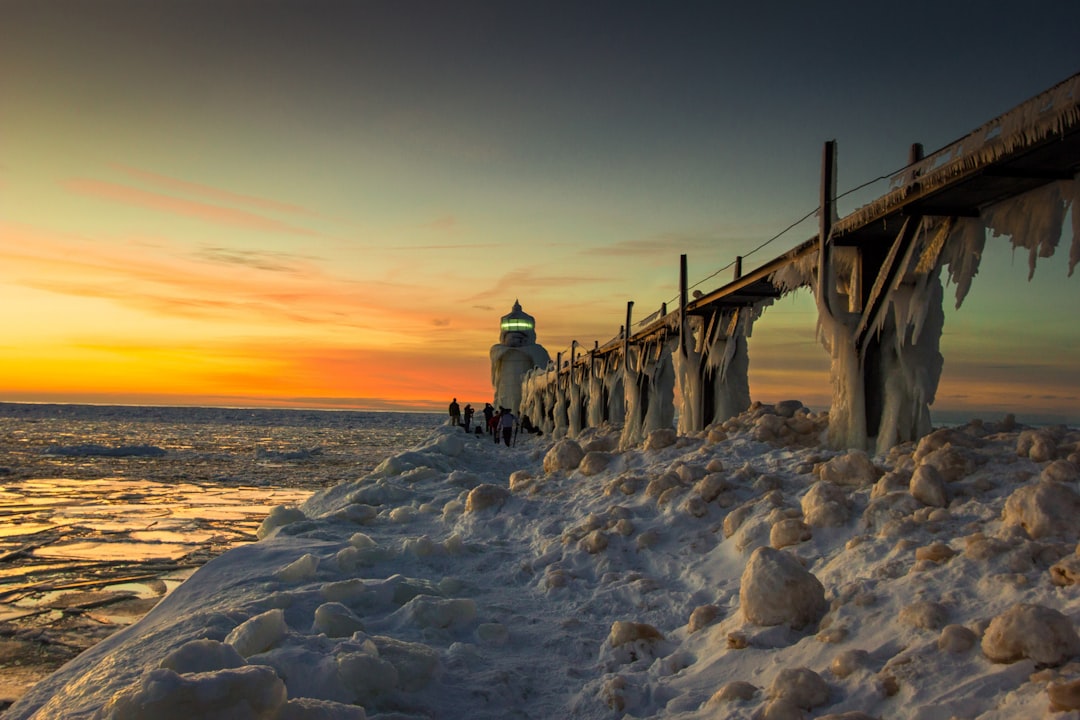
point(885, 358)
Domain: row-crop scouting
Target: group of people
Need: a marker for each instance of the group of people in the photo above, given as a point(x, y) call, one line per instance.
point(500, 424)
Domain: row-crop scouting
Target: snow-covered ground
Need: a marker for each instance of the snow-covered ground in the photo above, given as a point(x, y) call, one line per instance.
point(743, 572)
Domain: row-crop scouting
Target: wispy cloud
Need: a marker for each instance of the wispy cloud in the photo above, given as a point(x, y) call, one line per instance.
point(663, 245)
point(206, 191)
point(216, 284)
point(512, 283)
point(454, 246)
point(732, 239)
point(444, 223)
point(180, 206)
point(257, 259)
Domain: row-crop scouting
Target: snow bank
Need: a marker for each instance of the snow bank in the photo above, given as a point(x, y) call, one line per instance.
point(745, 571)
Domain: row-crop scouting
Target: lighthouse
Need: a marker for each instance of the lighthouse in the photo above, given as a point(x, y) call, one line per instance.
point(516, 353)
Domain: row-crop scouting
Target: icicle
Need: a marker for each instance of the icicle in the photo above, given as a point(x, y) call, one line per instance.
point(1071, 192)
point(963, 253)
point(1033, 220)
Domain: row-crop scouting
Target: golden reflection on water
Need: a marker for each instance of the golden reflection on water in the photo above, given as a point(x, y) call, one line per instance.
point(62, 535)
point(125, 519)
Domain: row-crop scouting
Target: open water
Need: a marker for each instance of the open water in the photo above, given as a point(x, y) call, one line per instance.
point(104, 509)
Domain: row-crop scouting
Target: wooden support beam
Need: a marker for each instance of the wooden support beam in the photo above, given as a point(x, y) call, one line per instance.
point(1028, 173)
point(738, 267)
point(920, 210)
point(710, 328)
point(893, 266)
point(626, 335)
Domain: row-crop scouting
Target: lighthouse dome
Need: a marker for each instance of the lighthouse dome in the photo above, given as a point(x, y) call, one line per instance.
point(517, 327)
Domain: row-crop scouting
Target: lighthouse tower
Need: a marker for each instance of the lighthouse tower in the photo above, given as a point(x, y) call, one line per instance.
point(515, 354)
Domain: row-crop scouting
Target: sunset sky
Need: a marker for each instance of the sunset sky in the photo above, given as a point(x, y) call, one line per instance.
point(330, 204)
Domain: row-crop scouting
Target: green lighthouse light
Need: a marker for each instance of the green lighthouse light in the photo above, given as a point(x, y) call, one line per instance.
point(513, 324)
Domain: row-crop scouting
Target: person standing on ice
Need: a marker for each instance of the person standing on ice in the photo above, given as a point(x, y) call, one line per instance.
point(489, 413)
point(506, 425)
point(467, 415)
point(455, 412)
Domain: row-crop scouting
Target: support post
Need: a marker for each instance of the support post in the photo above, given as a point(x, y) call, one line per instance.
point(826, 208)
point(738, 267)
point(915, 154)
point(828, 189)
point(626, 335)
point(573, 359)
point(558, 370)
point(682, 305)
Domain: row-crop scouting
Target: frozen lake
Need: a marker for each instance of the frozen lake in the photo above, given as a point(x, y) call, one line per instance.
point(105, 509)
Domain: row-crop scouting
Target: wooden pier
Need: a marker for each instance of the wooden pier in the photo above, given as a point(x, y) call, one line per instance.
point(855, 267)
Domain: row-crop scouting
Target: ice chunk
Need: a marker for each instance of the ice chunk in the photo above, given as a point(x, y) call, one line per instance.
point(486, 496)
point(1031, 631)
point(279, 516)
point(303, 568)
point(564, 455)
point(1044, 509)
point(312, 709)
point(775, 589)
point(244, 693)
point(204, 655)
point(428, 611)
point(259, 633)
point(366, 676)
point(336, 620)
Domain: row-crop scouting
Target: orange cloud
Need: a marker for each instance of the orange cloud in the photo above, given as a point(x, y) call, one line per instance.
point(217, 285)
point(179, 206)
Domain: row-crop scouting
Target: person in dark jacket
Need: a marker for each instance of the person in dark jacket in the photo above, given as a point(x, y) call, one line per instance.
point(527, 426)
point(506, 425)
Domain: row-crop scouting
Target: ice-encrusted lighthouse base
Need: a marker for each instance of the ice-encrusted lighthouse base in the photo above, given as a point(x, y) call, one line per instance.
point(516, 353)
